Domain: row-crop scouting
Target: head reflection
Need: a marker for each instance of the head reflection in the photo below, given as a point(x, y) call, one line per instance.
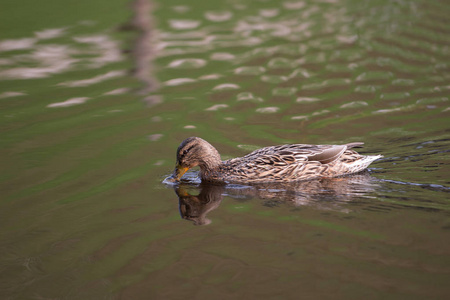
point(196, 207)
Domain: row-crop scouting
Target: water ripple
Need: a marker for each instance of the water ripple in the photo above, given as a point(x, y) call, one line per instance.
point(179, 81)
point(226, 86)
point(93, 80)
point(70, 102)
point(249, 70)
point(218, 16)
point(187, 63)
point(184, 24)
point(247, 96)
point(268, 110)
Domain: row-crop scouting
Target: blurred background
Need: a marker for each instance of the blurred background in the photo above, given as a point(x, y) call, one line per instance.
point(96, 96)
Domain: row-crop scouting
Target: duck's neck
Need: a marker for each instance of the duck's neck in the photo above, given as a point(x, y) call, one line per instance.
point(210, 166)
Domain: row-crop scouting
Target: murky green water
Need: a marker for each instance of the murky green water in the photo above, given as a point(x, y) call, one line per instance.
point(94, 105)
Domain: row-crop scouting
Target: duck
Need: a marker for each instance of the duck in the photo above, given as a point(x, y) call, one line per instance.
point(279, 164)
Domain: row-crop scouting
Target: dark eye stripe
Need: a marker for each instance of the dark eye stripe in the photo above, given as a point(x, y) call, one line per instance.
point(186, 151)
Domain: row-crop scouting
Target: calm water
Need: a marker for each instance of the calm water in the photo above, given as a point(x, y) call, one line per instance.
point(95, 100)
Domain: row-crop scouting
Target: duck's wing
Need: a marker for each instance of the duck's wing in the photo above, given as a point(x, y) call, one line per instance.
point(284, 163)
point(279, 159)
point(297, 153)
point(327, 154)
point(276, 156)
point(266, 165)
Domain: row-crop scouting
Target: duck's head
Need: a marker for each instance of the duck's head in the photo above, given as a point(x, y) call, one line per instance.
point(194, 152)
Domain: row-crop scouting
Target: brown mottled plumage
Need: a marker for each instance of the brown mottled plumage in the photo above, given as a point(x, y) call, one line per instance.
point(284, 163)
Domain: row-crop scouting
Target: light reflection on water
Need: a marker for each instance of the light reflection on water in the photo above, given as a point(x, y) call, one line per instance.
point(84, 214)
point(51, 59)
point(341, 64)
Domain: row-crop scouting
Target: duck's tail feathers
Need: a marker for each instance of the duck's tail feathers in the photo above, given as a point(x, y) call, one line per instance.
point(367, 160)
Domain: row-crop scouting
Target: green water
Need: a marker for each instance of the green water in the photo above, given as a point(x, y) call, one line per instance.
point(95, 97)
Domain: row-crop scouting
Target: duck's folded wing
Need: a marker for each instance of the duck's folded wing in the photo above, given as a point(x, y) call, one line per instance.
point(279, 159)
point(298, 154)
point(327, 154)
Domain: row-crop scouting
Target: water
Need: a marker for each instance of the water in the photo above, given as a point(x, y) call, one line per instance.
point(95, 100)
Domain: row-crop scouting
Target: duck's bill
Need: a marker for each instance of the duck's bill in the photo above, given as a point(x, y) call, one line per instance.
point(177, 174)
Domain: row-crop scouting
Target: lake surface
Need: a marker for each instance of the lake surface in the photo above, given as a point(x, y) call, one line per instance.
point(95, 99)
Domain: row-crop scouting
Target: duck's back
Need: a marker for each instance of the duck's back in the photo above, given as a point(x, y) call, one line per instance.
point(286, 163)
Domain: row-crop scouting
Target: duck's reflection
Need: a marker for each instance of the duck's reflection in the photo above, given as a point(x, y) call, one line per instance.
point(326, 194)
point(196, 207)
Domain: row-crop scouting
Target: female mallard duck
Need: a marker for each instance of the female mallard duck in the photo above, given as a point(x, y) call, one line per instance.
point(284, 163)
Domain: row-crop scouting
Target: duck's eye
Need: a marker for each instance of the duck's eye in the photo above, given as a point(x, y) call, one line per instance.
point(185, 151)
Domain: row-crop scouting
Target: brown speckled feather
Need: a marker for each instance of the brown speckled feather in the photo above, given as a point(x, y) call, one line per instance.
point(292, 163)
